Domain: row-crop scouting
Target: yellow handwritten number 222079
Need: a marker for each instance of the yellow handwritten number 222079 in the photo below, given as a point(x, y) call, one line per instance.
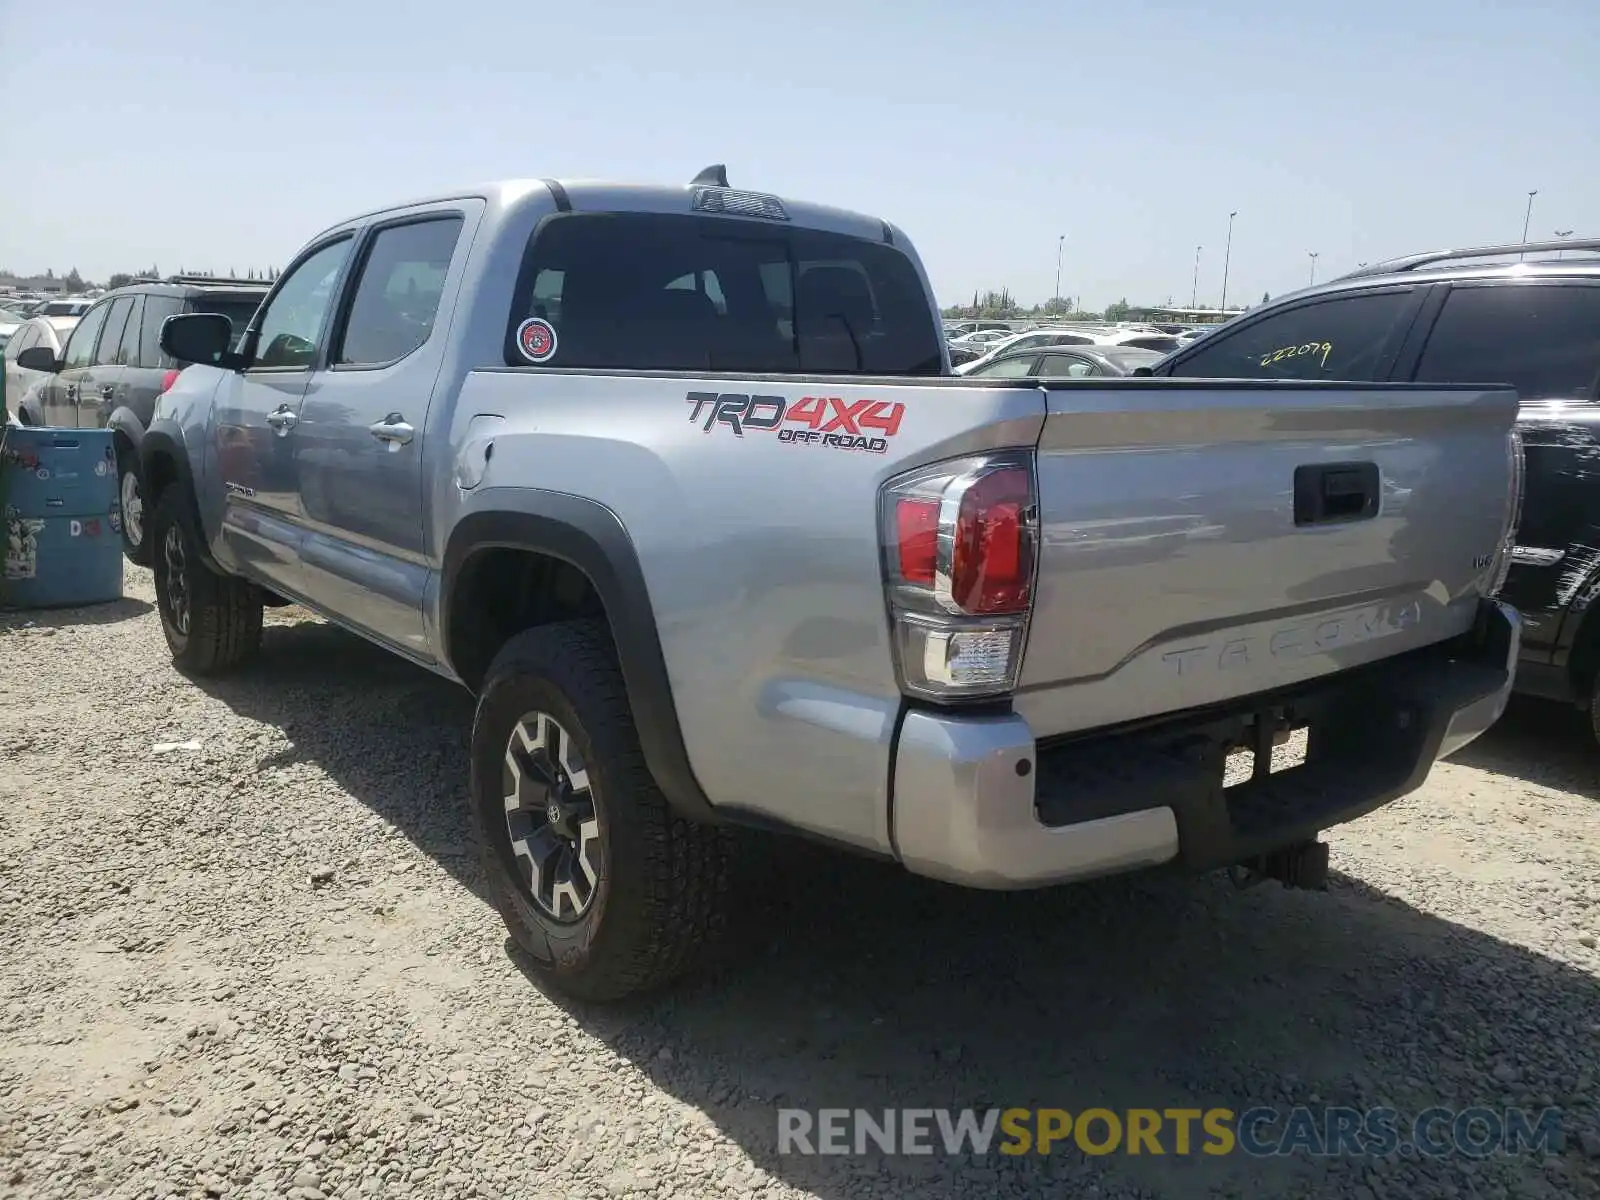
point(1309, 348)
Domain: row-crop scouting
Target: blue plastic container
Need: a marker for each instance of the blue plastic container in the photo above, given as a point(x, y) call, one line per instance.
point(61, 518)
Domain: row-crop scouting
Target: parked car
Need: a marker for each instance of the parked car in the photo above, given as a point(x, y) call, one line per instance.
point(1072, 362)
point(1019, 341)
point(1140, 339)
point(983, 338)
point(112, 369)
point(1529, 320)
point(49, 332)
point(74, 306)
point(457, 427)
point(957, 328)
point(969, 347)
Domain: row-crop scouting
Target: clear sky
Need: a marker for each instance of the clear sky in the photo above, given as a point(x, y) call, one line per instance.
point(215, 134)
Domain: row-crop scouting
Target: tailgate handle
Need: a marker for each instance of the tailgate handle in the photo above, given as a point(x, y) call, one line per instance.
point(1332, 493)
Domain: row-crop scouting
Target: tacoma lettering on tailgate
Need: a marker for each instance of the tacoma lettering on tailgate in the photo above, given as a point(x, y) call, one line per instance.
point(1304, 638)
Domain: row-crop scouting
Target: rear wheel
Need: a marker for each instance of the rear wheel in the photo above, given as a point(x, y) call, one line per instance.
point(130, 492)
point(212, 622)
point(599, 882)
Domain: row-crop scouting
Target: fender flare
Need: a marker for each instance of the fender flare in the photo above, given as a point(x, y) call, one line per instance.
point(590, 537)
point(124, 421)
point(161, 445)
point(1579, 618)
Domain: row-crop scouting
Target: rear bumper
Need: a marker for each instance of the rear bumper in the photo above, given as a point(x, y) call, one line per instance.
point(977, 801)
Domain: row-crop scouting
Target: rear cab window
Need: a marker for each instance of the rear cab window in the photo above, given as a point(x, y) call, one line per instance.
point(1352, 337)
point(646, 291)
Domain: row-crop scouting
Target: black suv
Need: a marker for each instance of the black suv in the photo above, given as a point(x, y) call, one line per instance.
point(112, 371)
point(1531, 319)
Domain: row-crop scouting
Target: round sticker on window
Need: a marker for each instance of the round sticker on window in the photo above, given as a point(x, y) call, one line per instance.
point(536, 338)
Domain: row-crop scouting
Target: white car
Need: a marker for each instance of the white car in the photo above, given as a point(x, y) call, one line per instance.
point(69, 306)
point(1164, 343)
point(35, 331)
point(983, 339)
point(1022, 341)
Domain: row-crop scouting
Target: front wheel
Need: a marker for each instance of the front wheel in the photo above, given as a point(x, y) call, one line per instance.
point(606, 889)
point(212, 622)
point(130, 492)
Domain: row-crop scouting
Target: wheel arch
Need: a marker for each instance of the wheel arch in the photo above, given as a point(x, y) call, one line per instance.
point(164, 464)
point(1578, 642)
point(127, 432)
point(588, 538)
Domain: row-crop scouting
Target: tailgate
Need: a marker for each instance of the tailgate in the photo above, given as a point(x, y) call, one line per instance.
point(1206, 541)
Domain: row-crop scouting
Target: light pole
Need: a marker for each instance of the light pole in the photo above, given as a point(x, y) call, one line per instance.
point(1060, 245)
point(1563, 234)
point(1313, 255)
point(1227, 254)
point(1194, 294)
point(1526, 217)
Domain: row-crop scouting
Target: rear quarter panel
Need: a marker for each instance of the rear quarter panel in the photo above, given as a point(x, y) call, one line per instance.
point(760, 556)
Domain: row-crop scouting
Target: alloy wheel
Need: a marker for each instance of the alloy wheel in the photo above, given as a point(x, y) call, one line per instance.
point(176, 584)
point(132, 509)
point(550, 817)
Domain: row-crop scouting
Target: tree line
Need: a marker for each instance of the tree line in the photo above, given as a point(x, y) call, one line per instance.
point(73, 281)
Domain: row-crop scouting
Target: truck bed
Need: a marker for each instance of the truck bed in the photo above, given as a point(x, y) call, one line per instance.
point(1173, 568)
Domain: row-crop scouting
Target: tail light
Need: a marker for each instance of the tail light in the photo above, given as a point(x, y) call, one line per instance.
point(960, 545)
point(167, 380)
point(1518, 473)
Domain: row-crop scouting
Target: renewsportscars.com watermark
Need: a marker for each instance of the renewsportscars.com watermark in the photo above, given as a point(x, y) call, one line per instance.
point(1321, 1132)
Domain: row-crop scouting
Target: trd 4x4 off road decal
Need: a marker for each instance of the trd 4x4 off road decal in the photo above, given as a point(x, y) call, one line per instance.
point(865, 425)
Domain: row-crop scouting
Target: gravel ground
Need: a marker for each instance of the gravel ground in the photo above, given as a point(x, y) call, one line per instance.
point(263, 967)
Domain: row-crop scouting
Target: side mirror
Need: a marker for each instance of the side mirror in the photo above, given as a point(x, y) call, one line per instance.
point(200, 338)
point(1142, 372)
point(39, 358)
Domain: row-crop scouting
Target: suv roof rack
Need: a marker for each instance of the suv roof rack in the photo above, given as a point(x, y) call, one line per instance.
point(207, 280)
point(1411, 262)
point(202, 280)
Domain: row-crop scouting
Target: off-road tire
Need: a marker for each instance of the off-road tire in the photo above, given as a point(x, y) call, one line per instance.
point(138, 553)
point(224, 612)
point(659, 905)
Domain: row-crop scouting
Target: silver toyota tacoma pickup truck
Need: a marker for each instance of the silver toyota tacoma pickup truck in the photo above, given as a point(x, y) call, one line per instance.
point(677, 481)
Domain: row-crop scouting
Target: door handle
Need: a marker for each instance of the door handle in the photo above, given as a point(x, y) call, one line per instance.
point(393, 430)
point(282, 419)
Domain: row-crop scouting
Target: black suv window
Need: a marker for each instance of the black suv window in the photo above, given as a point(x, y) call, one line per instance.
point(1544, 339)
point(157, 308)
point(397, 295)
point(666, 292)
point(80, 346)
point(238, 309)
point(127, 351)
point(111, 335)
point(1342, 337)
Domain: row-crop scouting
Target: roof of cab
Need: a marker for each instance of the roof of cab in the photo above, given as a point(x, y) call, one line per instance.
point(597, 195)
